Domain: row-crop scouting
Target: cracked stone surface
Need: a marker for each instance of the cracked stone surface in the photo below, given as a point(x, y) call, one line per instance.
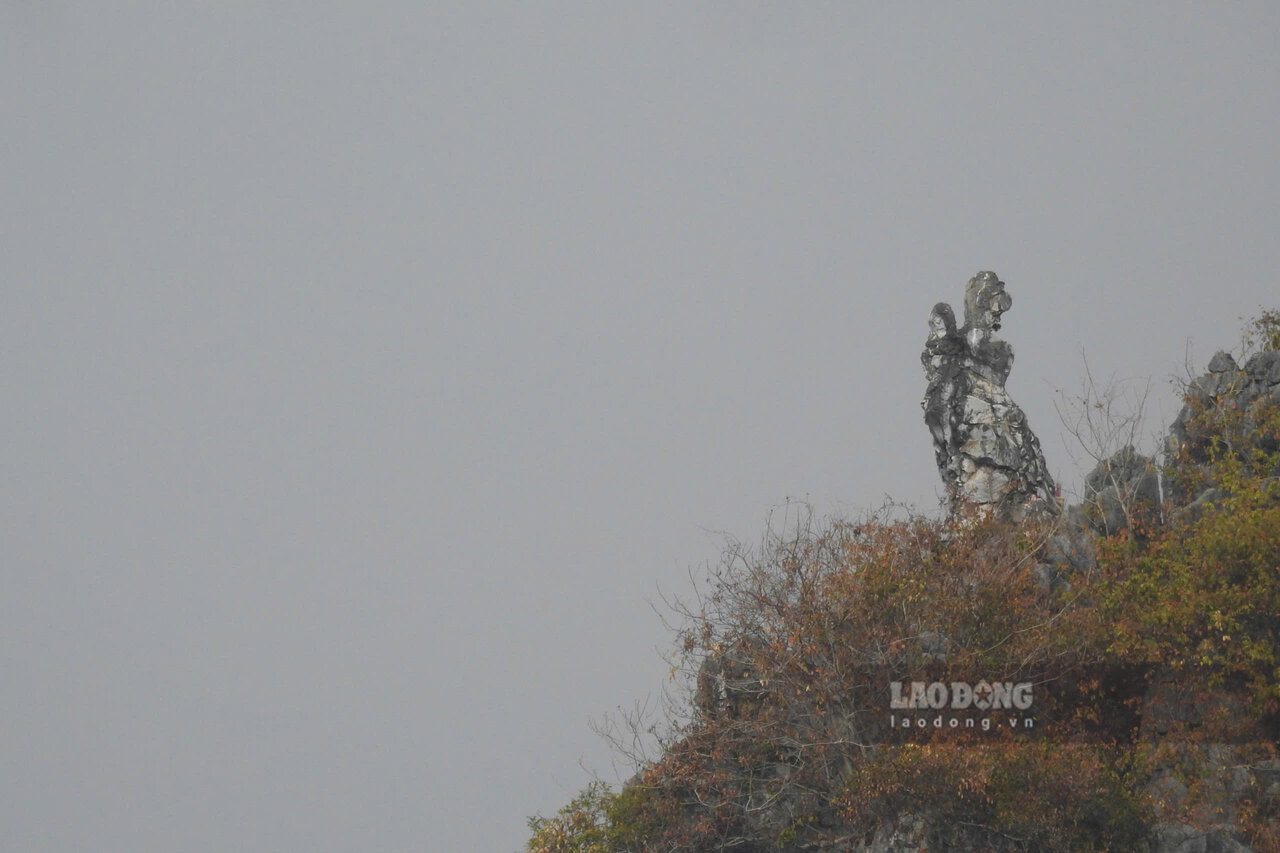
point(989, 459)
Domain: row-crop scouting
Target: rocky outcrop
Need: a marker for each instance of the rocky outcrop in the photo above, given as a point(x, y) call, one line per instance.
point(1122, 491)
point(1127, 491)
point(1232, 392)
point(728, 681)
point(1209, 781)
point(1220, 780)
point(989, 459)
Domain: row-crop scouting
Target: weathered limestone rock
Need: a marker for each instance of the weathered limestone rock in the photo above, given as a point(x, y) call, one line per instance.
point(1222, 362)
point(729, 680)
point(987, 455)
point(1252, 391)
point(1122, 490)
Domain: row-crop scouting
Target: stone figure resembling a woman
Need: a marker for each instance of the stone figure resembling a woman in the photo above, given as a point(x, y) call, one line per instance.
point(992, 459)
point(985, 300)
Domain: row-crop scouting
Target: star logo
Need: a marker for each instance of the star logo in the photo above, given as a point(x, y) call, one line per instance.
point(982, 696)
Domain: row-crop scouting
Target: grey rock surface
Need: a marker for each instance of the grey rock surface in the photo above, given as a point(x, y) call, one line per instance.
point(1208, 499)
point(1251, 390)
point(989, 459)
point(1222, 362)
point(1264, 368)
point(1122, 489)
point(1180, 838)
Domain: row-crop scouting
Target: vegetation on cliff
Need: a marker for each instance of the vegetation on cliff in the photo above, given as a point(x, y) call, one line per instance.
point(1152, 648)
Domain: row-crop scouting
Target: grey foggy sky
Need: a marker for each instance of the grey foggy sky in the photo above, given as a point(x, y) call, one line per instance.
point(368, 367)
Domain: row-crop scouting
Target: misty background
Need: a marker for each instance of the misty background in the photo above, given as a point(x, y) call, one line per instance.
point(369, 368)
